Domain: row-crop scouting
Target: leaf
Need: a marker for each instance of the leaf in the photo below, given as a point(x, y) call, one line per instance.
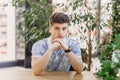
point(117, 56)
point(94, 25)
point(117, 41)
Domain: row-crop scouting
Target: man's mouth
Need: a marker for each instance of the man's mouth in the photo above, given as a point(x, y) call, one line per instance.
point(60, 37)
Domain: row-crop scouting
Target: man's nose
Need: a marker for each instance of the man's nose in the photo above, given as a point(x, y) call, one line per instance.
point(61, 31)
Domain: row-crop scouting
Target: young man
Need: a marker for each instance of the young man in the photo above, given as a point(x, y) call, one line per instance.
point(56, 53)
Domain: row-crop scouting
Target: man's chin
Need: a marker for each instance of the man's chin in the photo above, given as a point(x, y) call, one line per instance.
point(59, 37)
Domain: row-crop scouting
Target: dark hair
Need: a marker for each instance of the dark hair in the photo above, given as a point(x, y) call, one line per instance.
point(58, 17)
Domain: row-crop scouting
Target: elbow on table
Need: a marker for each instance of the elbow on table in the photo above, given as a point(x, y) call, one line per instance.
point(36, 72)
point(79, 71)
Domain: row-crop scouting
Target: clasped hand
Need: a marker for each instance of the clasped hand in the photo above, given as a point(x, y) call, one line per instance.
point(59, 44)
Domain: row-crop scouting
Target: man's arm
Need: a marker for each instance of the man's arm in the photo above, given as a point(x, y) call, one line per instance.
point(40, 63)
point(75, 61)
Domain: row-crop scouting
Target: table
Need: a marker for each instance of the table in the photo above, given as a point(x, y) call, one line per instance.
point(20, 73)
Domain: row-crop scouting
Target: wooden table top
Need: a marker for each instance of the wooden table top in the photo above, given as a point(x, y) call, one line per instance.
point(20, 73)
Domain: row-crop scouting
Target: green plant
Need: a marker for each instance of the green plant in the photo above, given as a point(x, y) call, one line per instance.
point(115, 17)
point(34, 19)
point(109, 67)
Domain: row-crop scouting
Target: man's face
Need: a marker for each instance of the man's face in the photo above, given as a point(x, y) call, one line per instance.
point(58, 30)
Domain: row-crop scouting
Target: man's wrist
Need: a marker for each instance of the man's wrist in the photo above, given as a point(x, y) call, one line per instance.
point(67, 50)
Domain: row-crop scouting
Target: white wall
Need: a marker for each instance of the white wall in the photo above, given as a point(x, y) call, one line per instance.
point(11, 32)
point(10, 29)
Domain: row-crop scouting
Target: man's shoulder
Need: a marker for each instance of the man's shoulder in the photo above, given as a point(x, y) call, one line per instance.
point(69, 40)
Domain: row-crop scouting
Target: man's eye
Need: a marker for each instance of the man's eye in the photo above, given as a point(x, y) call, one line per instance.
point(56, 28)
point(64, 28)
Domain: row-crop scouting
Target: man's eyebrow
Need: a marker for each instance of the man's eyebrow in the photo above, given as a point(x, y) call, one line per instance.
point(56, 27)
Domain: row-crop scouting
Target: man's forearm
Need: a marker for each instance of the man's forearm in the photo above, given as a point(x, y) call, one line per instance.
point(75, 61)
point(40, 64)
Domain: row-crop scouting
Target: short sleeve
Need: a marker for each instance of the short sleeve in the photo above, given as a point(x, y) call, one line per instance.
point(38, 49)
point(76, 49)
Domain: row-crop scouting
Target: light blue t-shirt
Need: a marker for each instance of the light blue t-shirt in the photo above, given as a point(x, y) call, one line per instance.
point(58, 60)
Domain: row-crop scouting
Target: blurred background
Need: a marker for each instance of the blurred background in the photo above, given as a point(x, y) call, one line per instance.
point(95, 24)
